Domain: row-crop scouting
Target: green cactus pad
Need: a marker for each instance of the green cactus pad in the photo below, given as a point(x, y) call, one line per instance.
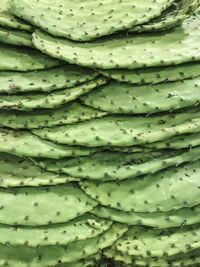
point(15, 37)
point(121, 51)
point(25, 144)
point(123, 98)
point(107, 166)
point(163, 191)
point(160, 220)
point(70, 19)
point(177, 142)
point(12, 82)
point(24, 59)
point(154, 75)
point(22, 256)
point(27, 101)
point(8, 20)
point(44, 205)
point(149, 243)
point(16, 171)
point(81, 228)
point(171, 17)
point(123, 130)
point(67, 114)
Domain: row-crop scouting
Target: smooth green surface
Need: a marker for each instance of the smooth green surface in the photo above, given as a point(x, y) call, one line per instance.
point(106, 166)
point(67, 114)
point(24, 59)
point(64, 76)
point(160, 220)
point(83, 20)
point(25, 144)
point(177, 46)
point(123, 98)
point(17, 172)
point(81, 228)
point(30, 100)
point(43, 205)
point(163, 191)
point(124, 130)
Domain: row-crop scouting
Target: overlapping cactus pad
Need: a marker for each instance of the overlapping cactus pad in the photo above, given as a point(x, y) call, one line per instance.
point(100, 133)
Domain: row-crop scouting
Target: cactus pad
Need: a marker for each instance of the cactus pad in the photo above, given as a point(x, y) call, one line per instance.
point(24, 59)
point(106, 166)
point(25, 144)
point(177, 218)
point(121, 51)
point(55, 204)
point(67, 114)
point(124, 98)
point(123, 130)
point(70, 19)
point(15, 172)
point(65, 76)
point(81, 228)
point(162, 191)
point(56, 98)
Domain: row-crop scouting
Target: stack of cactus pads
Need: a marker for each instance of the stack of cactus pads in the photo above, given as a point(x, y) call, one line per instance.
point(99, 133)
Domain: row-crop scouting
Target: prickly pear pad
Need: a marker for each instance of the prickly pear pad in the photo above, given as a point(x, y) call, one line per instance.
point(83, 20)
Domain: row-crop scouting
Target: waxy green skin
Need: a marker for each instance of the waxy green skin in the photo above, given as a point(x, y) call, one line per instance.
point(65, 76)
point(108, 166)
point(123, 98)
point(15, 37)
point(25, 144)
point(82, 20)
point(82, 228)
point(175, 47)
point(17, 172)
point(171, 17)
point(123, 130)
point(150, 243)
point(154, 75)
point(158, 220)
point(8, 20)
point(70, 113)
point(162, 191)
point(51, 255)
point(56, 204)
point(30, 100)
point(24, 59)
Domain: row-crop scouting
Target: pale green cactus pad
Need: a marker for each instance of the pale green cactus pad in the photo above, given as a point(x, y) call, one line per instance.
point(55, 204)
point(106, 166)
point(65, 76)
point(30, 100)
point(67, 114)
point(171, 17)
point(159, 220)
point(8, 20)
point(162, 191)
point(70, 19)
point(23, 256)
point(133, 51)
point(15, 37)
point(123, 130)
point(25, 144)
point(24, 59)
point(17, 172)
point(123, 98)
point(82, 228)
